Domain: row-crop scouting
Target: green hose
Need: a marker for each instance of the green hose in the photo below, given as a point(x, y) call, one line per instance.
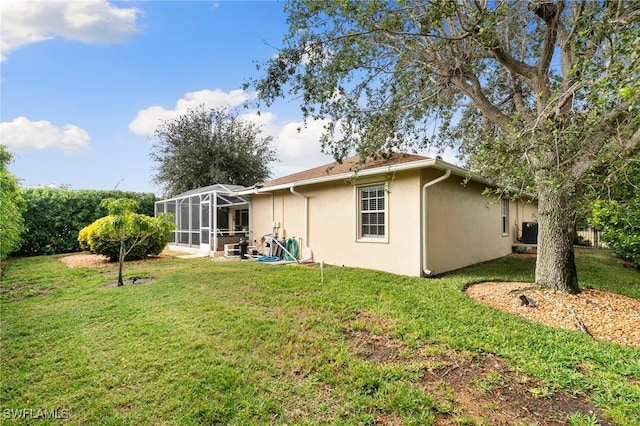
point(292, 247)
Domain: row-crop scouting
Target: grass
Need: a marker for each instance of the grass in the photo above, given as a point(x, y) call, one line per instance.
point(245, 343)
point(489, 381)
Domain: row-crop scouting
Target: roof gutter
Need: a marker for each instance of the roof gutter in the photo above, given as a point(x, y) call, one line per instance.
point(425, 267)
point(430, 162)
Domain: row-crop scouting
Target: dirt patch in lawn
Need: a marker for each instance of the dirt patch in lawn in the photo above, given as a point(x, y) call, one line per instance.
point(604, 315)
point(473, 389)
point(484, 387)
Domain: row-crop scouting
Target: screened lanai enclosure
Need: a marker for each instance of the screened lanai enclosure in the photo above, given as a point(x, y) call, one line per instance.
point(207, 218)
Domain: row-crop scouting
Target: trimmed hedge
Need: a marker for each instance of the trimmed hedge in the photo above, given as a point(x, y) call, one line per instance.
point(12, 206)
point(102, 238)
point(54, 216)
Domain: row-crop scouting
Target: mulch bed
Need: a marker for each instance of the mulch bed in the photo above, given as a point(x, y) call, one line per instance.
point(605, 315)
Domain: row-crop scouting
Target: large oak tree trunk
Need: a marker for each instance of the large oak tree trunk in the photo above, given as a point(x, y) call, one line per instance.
point(555, 266)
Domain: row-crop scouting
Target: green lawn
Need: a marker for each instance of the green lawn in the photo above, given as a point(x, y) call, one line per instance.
point(246, 343)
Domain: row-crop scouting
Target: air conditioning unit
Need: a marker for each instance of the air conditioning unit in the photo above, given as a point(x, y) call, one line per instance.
point(530, 232)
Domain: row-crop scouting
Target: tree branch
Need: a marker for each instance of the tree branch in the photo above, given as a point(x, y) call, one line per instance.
point(550, 13)
point(564, 102)
point(585, 156)
point(518, 101)
point(473, 89)
point(633, 144)
point(615, 113)
point(513, 65)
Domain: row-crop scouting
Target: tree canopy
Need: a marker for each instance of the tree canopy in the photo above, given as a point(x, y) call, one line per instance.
point(534, 94)
point(207, 146)
point(12, 206)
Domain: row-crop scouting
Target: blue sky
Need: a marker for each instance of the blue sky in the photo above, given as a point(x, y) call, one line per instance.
point(85, 83)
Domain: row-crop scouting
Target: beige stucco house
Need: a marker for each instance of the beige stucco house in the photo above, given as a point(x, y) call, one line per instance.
point(408, 215)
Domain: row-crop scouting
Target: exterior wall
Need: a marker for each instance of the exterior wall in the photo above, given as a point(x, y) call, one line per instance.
point(333, 223)
point(465, 227)
point(522, 211)
point(259, 218)
point(283, 208)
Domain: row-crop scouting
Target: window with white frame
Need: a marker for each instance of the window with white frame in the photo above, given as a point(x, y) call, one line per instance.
point(505, 216)
point(372, 212)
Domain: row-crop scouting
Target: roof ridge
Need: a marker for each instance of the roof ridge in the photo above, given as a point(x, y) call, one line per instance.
point(349, 164)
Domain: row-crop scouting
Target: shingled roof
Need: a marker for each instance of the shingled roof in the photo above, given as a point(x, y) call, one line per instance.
point(348, 165)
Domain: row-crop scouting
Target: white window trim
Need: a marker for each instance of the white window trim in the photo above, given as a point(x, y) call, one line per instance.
point(504, 216)
point(358, 216)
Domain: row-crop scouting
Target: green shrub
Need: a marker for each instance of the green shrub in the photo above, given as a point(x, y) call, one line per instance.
point(12, 206)
point(102, 238)
point(620, 225)
point(85, 233)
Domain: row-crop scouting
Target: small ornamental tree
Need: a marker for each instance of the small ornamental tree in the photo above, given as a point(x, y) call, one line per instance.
point(125, 233)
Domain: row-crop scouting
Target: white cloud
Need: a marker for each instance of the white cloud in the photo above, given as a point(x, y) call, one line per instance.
point(266, 120)
point(21, 135)
point(449, 155)
point(296, 140)
point(148, 119)
point(297, 146)
point(87, 21)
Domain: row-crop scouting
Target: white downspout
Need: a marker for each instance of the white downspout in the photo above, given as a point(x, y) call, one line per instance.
point(306, 225)
point(274, 229)
point(273, 210)
point(425, 267)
